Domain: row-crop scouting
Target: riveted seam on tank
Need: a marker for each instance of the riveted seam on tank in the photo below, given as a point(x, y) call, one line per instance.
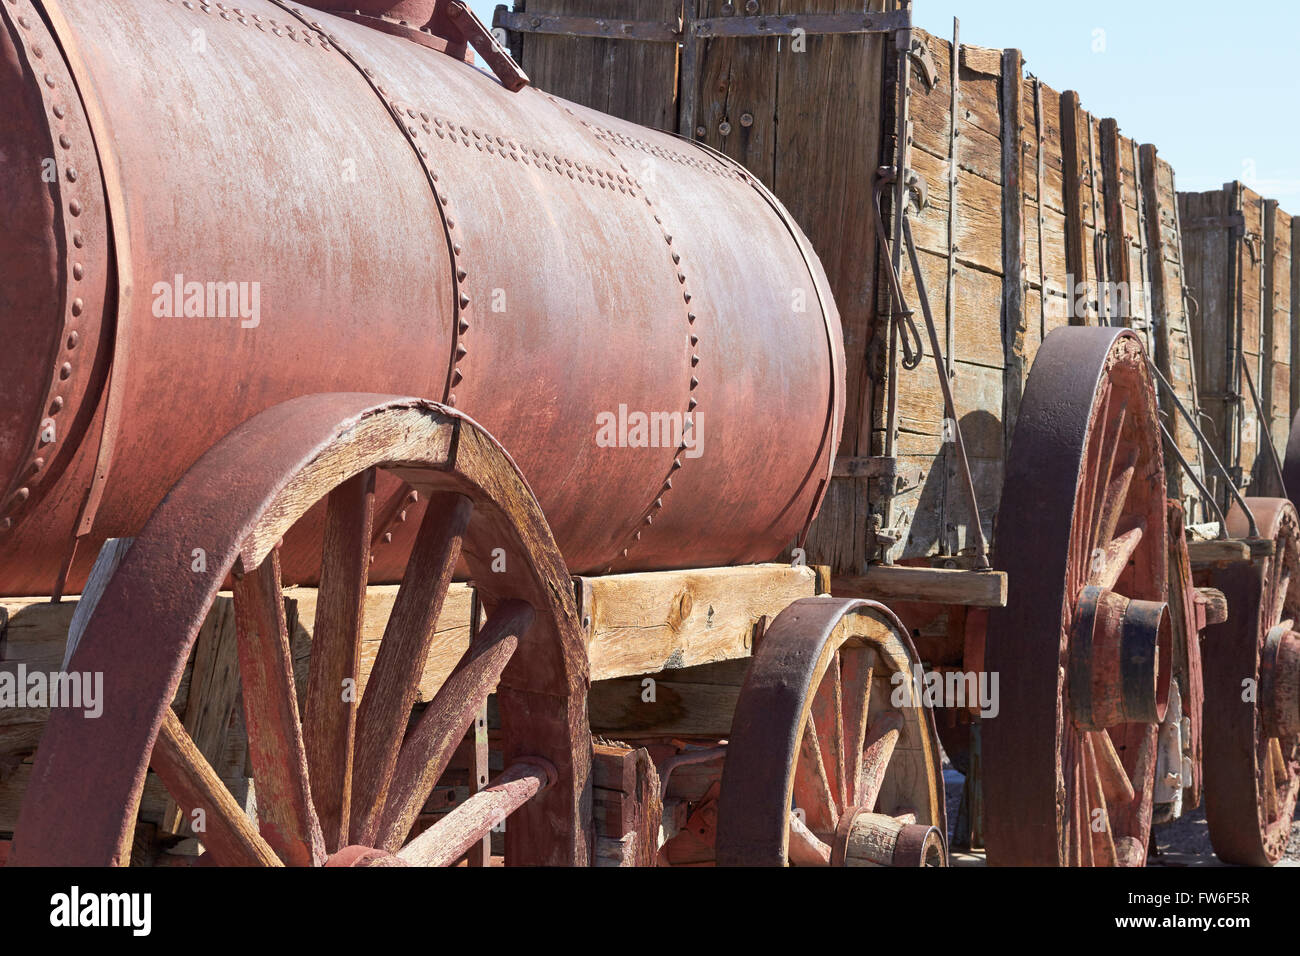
point(519, 151)
point(68, 186)
point(629, 142)
point(401, 113)
point(236, 14)
point(692, 402)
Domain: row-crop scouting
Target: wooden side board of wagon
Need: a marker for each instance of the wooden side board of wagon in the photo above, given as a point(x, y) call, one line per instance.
point(1238, 247)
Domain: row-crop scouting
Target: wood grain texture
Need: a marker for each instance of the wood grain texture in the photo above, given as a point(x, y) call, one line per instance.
point(1171, 321)
point(648, 622)
point(447, 841)
point(428, 748)
point(390, 695)
point(286, 816)
point(330, 713)
point(636, 81)
point(925, 585)
point(228, 834)
point(214, 693)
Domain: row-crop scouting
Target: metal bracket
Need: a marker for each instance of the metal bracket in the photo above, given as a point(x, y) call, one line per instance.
point(647, 31)
point(903, 478)
point(920, 54)
point(1236, 222)
point(711, 28)
point(498, 59)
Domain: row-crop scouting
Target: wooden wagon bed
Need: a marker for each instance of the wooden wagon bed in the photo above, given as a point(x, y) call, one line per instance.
point(1241, 273)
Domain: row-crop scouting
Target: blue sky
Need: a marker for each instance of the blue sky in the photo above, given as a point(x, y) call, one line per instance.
point(1215, 87)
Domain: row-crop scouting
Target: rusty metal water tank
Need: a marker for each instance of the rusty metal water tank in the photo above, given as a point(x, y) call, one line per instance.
point(214, 207)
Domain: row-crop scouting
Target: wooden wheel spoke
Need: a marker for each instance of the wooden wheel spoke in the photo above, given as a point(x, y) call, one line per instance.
point(1280, 596)
point(1280, 774)
point(394, 681)
point(332, 690)
point(1083, 834)
point(1103, 842)
point(812, 786)
point(425, 754)
point(1272, 761)
point(1075, 806)
point(1115, 783)
point(857, 666)
point(285, 812)
point(1113, 498)
point(828, 713)
point(1110, 560)
point(451, 837)
point(225, 830)
point(1102, 445)
point(882, 738)
point(806, 848)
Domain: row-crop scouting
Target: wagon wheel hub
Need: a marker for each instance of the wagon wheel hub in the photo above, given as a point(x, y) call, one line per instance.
point(1279, 689)
point(1119, 659)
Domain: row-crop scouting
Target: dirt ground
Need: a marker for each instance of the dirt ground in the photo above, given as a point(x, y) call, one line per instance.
point(1185, 842)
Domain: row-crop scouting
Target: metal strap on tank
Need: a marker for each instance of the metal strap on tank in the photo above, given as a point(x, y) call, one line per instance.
point(823, 298)
point(119, 359)
point(460, 300)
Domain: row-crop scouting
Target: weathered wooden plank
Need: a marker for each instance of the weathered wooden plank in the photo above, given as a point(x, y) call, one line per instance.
point(1276, 385)
point(214, 692)
point(1014, 279)
point(1170, 323)
point(1223, 240)
point(925, 585)
point(627, 805)
point(634, 80)
point(830, 98)
point(664, 620)
point(693, 702)
point(1295, 315)
point(1217, 553)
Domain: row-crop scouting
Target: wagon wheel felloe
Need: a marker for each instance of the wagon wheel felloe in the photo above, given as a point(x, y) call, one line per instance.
point(1252, 687)
point(1083, 647)
point(833, 759)
point(342, 784)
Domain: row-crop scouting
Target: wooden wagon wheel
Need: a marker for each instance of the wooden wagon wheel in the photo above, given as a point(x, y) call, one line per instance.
point(1252, 691)
point(1083, 648)
point(833, 758)
point(342, 785)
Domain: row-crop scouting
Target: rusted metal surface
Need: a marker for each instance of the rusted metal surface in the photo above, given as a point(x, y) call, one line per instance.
point(1086, 478)
point(54, 270)
point(235, 503)
point(1252, 758)
point(529, 261)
